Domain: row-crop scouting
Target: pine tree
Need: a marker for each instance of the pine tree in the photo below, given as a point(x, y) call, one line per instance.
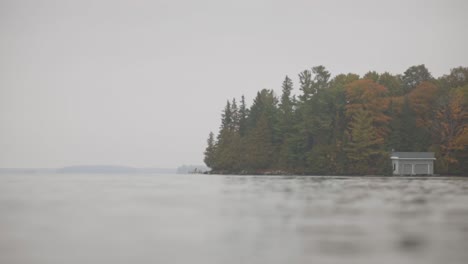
point(305, 81)
point(210, 152)
point(235, 116)
point(243, 114)
point(321, 79)
point(226, 117)
point(227, 152)
point(260, 150)
point(262, 137)
point(286, 104)
point(286, 124)
point(364, 148)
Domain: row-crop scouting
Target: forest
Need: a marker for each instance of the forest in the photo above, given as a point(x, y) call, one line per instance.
point(345, 125)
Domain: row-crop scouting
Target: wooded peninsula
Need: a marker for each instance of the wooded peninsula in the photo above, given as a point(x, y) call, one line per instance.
point(345, 125)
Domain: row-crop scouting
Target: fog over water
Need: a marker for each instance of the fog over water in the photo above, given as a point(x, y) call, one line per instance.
point(68, 218)
point(142, 83)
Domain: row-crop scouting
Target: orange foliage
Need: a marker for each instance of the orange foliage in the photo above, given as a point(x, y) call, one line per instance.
point(368, 95)
point(452, 125)
point(422, 99)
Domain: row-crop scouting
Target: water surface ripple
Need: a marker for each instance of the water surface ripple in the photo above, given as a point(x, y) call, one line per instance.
point(66, 218)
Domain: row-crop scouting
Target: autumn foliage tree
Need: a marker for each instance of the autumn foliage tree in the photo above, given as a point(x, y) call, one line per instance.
point(346, 124)
point(451, 128)
point(369, 96)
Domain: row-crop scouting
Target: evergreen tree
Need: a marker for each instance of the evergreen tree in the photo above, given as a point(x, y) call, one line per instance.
point(235, 116)
point(243, 114)
point(226, 117)
point(321, 79)
point(227, 148)
point(346, 124)
point(338, 139)
point(305, 81)
point(286, 124)
point(210, 152)
point(286, 104)
point(364, 148)
point(260, 151)
point(263, 133)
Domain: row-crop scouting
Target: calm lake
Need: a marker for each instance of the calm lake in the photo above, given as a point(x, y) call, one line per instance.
point(67, 218)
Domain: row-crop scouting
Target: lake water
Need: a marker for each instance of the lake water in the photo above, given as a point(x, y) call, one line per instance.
point(232, 219)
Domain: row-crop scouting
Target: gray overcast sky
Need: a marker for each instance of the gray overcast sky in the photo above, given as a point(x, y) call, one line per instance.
point(142, 83)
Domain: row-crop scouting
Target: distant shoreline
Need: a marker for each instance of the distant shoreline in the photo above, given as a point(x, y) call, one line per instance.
point(88, 169)
point(285, 173)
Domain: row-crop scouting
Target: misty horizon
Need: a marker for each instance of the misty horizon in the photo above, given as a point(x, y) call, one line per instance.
point(142, 83)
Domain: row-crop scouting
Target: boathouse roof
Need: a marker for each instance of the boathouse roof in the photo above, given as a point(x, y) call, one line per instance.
point(413, 155)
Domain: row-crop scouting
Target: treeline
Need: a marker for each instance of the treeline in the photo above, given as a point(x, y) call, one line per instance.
point(346, 124)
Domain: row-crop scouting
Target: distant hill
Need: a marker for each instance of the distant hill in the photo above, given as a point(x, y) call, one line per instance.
point(85, 169)
point(97, 169)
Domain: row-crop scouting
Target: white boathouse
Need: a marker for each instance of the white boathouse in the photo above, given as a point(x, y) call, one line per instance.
point(413, 163)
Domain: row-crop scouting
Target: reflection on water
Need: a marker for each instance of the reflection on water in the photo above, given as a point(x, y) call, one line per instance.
point(232, 219)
